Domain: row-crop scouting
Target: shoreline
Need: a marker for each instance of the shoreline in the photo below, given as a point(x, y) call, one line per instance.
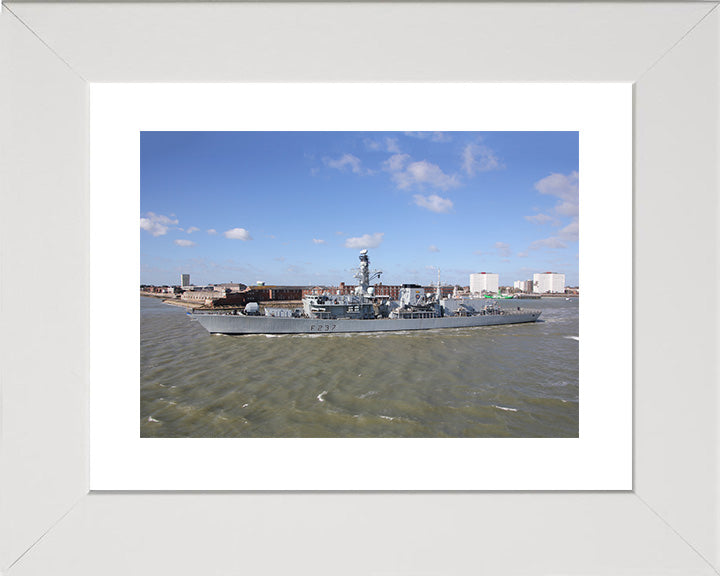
point(172, 301)
point(185, 304)
point(182, 303)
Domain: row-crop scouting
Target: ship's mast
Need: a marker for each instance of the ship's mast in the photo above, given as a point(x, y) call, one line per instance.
point(363, 275)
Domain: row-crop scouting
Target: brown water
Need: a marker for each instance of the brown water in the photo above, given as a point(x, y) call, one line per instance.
point(495, 381)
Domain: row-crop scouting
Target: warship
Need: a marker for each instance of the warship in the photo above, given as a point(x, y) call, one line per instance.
point(363, 311)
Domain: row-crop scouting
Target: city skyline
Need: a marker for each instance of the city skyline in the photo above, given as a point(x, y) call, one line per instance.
point(295, 208)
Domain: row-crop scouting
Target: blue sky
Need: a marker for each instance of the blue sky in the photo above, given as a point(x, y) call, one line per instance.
point(297, 207)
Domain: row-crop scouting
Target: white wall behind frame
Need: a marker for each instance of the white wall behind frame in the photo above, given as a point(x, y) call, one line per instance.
point(677, 446)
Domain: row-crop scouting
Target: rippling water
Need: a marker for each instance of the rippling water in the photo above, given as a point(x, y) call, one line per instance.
point(495, 381)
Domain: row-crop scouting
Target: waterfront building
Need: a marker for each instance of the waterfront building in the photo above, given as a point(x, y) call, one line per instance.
point(184, 280)
point(548, 282)
point(231, 286)
point(157, 289)
point(461, 292)
point(525, 286)
point(204, 295)
point(445, 291)
point(484, 282)
point(392, 291)
point(316, 291)
point(283, 292)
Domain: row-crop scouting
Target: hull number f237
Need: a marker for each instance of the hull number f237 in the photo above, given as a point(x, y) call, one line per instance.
point(322, 327)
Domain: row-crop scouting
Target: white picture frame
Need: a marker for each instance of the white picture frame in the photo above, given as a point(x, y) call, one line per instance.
point(50, 523)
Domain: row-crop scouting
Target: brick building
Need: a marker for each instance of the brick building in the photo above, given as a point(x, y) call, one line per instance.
point(260, 293)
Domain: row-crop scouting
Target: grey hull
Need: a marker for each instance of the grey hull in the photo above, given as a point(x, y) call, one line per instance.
point(239, 324)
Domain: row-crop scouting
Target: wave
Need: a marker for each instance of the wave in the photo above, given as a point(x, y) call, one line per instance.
point(505, 408)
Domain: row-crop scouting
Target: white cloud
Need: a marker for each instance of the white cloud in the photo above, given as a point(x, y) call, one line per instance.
point(434, 203)
point(184, 242)
point(373, 145)
point(567, 208)
point(571, 232)
point(433, 248)
point(391, 145)
point(553, 242)
point(503, 249)
point(192, 229)
point(386, 145)
point(212, 231)
point(432, 136)
point(479, 158)
point(539, 218)
point(565, 188)
point(237, 234)
point(345, 161)
point(560, 185)
point(318, 241)
point(157, 224)
point(396, 162)
point(407, 175)
point(365, 241)
point(568, 234)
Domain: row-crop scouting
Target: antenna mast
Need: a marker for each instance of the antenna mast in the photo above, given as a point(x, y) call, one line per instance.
point(363, 275)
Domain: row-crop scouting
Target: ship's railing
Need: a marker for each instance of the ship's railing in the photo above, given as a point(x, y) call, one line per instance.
point(518, 312)
point(411, 315)
point(494, 311)
point(218, 312)
point(283, 312)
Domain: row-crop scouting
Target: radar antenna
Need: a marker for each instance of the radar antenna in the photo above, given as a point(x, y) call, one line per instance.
point(363, 275)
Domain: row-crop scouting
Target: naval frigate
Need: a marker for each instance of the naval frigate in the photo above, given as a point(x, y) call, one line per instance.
point(363, 311)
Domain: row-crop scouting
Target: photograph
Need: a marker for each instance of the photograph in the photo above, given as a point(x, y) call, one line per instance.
point(359, 284)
